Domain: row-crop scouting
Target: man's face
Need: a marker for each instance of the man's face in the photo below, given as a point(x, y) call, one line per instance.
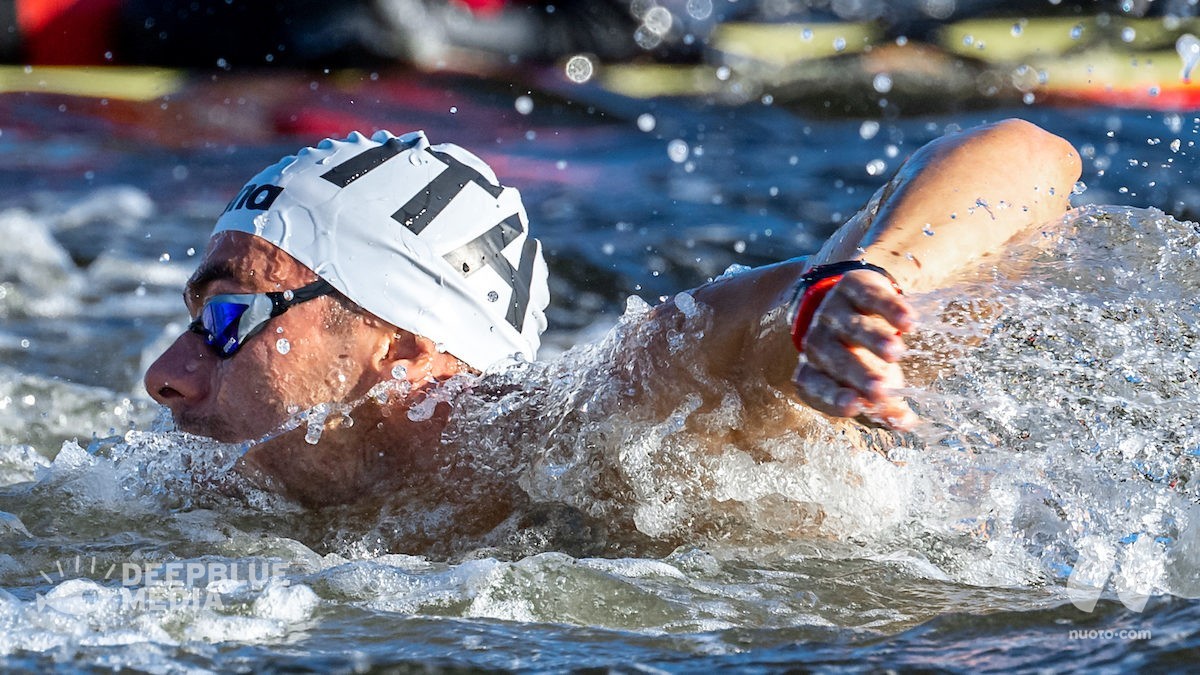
point(252, 393)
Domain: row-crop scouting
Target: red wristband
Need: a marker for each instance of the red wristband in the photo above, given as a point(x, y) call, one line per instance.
point(814, 285)
point(811, 299)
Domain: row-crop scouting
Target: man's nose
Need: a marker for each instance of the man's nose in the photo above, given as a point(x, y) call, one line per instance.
point(180, 374)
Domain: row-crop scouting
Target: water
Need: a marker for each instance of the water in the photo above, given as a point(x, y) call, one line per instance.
point(1057, 385)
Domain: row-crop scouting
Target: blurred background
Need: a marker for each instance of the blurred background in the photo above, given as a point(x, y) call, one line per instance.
point(656, 142)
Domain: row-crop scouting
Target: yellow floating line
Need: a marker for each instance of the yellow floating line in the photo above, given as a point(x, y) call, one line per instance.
point(1104, 68)
point(1016, 39)
point(114, 82)
point(648, 81)
point(780, 44)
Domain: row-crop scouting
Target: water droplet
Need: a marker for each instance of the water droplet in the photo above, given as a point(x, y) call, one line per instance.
point(1028, 98)
point(1017, 28)
point(1175, 145)
point(316, 424)
point(806, 34)
point(839, 44)
point(1077, 31)
point(453, 110)
point(686, 304)
point(288, 295)
point(579, 69)
point(739, 246)
point(677, 150)
point(1128, 34)
point(524, 105)
point(658, 20)
point(1079, 188)
point(699, 9)
point(191, 251)
point(876, 167)
point(279, 331)
point(440, 347)
point(399, 372)
point(868, 129)
point(928, 229)
point(1188, 48)
point(723, 73)
point(166, 257)
point(646, 122)
point(882, 83)
point(283, 346)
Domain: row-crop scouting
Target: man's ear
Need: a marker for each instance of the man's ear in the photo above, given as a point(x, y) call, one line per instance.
point(398, 347)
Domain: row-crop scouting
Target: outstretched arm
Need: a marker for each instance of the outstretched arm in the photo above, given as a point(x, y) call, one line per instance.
point(956, 199)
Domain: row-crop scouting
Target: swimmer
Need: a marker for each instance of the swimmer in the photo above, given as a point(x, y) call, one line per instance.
point(361, 275)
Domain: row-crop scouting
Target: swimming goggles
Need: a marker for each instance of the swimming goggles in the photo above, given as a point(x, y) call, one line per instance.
point(228, 320)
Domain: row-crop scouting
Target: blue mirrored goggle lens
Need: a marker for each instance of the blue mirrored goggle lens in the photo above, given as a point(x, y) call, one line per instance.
point(220, 321)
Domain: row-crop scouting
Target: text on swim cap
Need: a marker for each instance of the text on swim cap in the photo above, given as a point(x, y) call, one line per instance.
point(254, 197)
point(485, 250)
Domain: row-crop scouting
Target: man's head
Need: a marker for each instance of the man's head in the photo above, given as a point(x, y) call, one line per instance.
point(430, 266)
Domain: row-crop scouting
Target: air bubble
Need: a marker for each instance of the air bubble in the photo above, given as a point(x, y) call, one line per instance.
point(646, 122)
point(876, 167)
point(868, 129)
point(283, 346)
point(166, 257)
point(399, 372)
point(524, 105)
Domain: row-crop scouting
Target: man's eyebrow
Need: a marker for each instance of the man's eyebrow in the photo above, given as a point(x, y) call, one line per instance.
point(209, 272)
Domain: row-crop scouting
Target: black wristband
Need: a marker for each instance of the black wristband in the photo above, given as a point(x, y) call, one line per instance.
point(834, 269)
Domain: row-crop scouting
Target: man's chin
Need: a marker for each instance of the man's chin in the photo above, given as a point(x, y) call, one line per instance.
point(210, 427)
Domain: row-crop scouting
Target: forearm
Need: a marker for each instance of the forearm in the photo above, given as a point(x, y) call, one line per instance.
point(958, 198)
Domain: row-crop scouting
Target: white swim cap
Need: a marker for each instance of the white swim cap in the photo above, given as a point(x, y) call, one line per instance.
point(422, 237)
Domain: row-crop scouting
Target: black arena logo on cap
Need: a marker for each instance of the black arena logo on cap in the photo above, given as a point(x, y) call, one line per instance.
point(424, 208)
point(254, 197)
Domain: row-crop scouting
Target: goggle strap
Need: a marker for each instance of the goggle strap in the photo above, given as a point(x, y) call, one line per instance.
point(280, 302)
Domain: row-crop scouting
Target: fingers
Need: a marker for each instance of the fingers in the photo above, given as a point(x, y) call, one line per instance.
point(851, 352)
point(872, 293)
point(826, 395)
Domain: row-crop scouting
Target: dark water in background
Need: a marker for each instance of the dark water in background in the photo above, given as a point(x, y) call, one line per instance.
point(105, 206)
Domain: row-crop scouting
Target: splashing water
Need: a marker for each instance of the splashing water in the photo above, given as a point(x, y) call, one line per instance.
point(1059, 398)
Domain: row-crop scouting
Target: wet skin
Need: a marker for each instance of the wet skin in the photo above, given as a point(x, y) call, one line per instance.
point(248, 396)
point(975, 190)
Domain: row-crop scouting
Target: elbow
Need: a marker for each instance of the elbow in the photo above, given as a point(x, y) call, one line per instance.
point(1049, 151)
